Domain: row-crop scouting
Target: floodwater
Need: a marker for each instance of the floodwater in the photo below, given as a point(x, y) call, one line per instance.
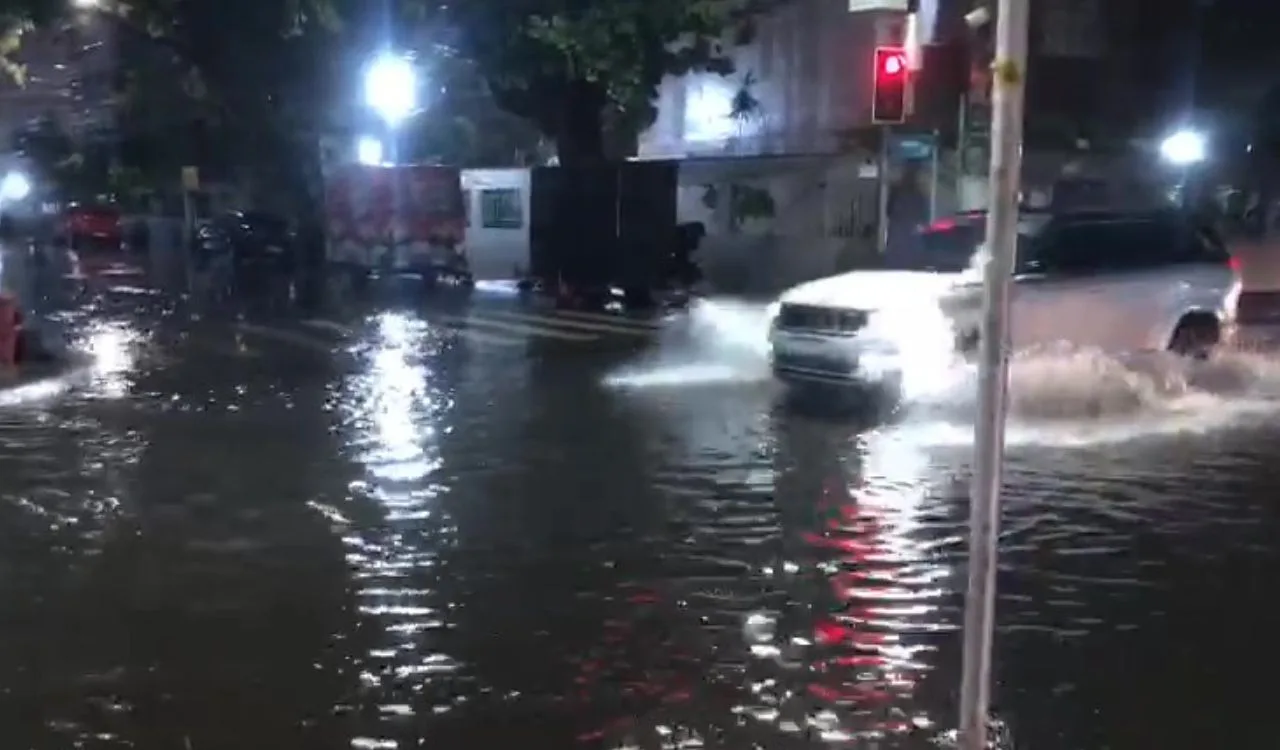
point(487, 525)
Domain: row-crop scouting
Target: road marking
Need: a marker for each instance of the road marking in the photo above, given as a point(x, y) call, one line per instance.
point(329, 325)
point(607, 318)
point(286, 337)
point(485, 337)
point(638, 328)
point(470, 322)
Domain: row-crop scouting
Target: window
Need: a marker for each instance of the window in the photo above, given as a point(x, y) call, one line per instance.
point(501, 209)
point(1120, 245)
point(1084, 248)
point(947, 247)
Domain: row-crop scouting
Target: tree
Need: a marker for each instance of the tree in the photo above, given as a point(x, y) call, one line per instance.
point(573, 66)
point(76, 171)
point(223, 84)
point(461, 124)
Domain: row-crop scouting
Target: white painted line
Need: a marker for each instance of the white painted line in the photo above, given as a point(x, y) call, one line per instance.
point(607, 318)
point(472, 322)
point(287, 337)
point(474, 336)
point(583, 325)
point(329, 325)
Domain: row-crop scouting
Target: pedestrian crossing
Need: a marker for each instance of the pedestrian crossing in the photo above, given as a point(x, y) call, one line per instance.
point(481, 326)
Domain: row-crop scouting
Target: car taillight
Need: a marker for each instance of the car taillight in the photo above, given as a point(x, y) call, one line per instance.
point(1234, 264)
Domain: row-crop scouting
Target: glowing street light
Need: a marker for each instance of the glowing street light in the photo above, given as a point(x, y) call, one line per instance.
point(391, 88)
point(369, 151)
point(1184, 148)
point(15, 187)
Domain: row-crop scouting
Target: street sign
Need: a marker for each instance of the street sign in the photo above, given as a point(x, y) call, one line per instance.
point(858, 6)
point(915, 147)
point(190, 178)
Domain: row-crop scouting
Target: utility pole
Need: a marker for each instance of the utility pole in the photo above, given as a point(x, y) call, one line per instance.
point(882, 195)
point(1009, 74)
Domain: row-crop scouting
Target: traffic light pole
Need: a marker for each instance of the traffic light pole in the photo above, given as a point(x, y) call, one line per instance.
point(1009, 71)
point(882, 197)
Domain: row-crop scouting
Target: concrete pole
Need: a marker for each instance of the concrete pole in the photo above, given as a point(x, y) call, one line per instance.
point(1009, 70)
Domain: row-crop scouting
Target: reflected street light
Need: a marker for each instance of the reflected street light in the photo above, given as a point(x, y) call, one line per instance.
point(1184, 148)
point(391, 88)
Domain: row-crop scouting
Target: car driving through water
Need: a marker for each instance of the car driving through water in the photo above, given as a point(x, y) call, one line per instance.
point(1116, 282)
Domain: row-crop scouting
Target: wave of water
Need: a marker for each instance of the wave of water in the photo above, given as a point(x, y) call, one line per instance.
point(1057, 395)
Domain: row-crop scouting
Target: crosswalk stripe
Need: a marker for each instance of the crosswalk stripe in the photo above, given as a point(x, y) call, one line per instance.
point(466, 322)
point(584, 325)
point(485, 337)
point(329, 325)
point(607, 318)
point(287, 337)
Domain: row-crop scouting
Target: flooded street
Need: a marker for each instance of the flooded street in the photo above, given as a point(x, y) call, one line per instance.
point(487, 525)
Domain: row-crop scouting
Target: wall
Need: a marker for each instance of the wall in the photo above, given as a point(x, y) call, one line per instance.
point(822, 221)
point(809, 69)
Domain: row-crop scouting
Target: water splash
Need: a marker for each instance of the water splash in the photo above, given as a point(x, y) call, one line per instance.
point(1069, 396)
point(716, 342)
point(1058, 395)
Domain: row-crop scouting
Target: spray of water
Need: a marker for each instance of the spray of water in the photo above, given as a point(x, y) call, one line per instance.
point(1057, 395)
point(714, 342)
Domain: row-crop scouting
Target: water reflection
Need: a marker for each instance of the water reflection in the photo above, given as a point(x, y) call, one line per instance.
point(871, 649)
point(393, 409)
point(808, 573)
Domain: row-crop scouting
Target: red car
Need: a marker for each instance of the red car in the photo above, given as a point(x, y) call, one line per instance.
point(95, 236)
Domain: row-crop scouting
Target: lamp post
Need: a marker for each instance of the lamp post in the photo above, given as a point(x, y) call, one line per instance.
point(391, 89)
point(1184, 149)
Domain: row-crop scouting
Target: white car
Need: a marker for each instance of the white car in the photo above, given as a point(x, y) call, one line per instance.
point(1118, 282)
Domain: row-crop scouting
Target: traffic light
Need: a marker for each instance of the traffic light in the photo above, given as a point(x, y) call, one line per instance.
point(889, 93)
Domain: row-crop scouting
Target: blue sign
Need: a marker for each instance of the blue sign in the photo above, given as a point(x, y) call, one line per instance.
point(912, 147)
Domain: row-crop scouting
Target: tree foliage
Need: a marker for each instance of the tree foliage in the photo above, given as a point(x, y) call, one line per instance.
point(228, 84)
point(573, 66)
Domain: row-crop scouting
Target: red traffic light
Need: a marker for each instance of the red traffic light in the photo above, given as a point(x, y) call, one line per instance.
point(893, 64)
point(889, 89)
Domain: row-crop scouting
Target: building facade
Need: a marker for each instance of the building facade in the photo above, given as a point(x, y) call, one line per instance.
point(803, 85)
point(800, 87)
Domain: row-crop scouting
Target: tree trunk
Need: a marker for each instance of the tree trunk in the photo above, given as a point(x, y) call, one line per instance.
point(580, 135)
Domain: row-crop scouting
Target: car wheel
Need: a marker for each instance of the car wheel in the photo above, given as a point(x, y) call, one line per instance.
point(1196, 336)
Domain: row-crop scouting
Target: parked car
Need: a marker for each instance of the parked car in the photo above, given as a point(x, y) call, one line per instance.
point(248, 240)
point(1118, 282)
point(94, 239)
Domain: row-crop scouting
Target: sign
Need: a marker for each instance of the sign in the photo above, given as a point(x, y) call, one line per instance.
point(190, 179)
point(859, 6)
point(912, 147)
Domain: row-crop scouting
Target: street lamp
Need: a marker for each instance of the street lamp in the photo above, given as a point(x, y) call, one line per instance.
point(15, 187)
point(369, 151)
point(1184, 148)
point(391, 88)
